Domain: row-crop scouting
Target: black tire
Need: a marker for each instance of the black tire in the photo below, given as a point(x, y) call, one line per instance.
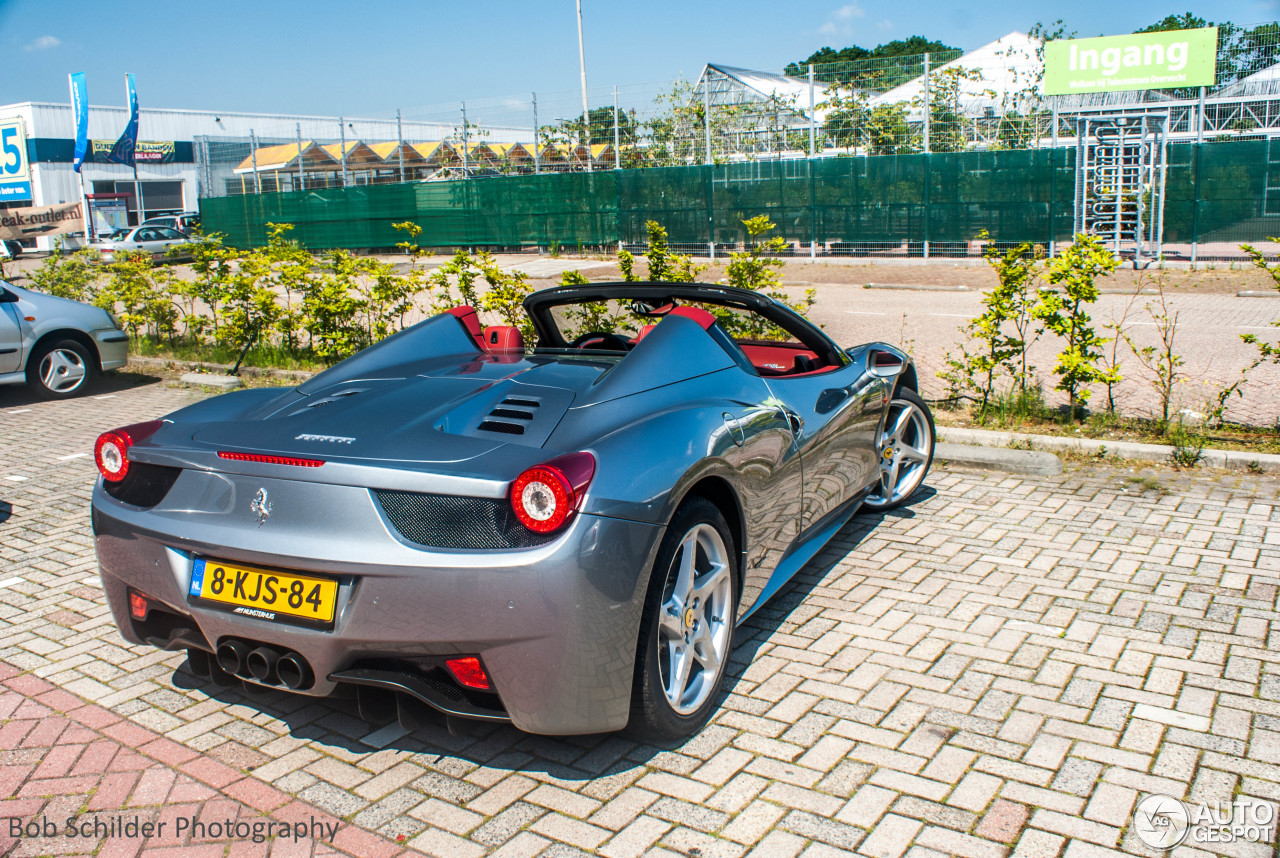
point(653, 716)
point(903, 398)
point(61, 369)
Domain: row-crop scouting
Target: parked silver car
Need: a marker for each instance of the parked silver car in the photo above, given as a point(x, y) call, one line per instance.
point(156, 240)
point(55, 345)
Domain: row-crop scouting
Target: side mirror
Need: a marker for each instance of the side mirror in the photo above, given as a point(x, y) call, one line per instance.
point(7, 297)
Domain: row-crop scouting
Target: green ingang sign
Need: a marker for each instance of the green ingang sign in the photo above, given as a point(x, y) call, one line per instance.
point(1175, 58)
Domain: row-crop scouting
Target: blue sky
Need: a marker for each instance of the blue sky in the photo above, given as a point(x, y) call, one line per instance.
point(368, 57)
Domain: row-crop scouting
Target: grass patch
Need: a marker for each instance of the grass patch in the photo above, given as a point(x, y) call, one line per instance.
point(262, 356)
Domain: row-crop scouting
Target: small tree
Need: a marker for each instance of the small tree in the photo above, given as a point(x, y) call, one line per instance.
point(1162, 363)
point(759, 270)
point(68, 275)
point(1004, 332)
point(1065, 314)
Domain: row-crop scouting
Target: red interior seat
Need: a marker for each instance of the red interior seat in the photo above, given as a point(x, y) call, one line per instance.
point(503, 338)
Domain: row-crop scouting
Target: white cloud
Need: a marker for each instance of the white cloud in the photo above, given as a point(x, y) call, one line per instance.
point(840, 21)
point(43, 43)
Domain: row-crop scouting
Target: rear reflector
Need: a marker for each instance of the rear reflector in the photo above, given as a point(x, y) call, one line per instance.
point(469, 672)
point(270, 460)
point(137, 605)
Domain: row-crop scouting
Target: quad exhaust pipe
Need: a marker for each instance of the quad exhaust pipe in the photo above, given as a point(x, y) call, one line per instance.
point(264, 664)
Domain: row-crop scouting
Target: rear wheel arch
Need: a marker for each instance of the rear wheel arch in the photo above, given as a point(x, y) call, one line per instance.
point(718, 491)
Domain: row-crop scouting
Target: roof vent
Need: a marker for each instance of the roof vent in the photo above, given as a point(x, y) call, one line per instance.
point(511, 416)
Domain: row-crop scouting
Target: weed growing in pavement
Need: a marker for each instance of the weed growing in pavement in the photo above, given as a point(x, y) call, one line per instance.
point(1148, 484)
point(1188, 446)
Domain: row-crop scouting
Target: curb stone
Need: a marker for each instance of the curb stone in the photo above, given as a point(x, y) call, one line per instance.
point(1031, 462)
point(1214, 458)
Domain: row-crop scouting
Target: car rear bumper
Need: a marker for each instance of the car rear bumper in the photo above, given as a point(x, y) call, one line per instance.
point(113, 347)
point(555, 626)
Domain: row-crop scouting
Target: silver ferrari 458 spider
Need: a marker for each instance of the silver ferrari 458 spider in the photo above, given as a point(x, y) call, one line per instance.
point(558, 524)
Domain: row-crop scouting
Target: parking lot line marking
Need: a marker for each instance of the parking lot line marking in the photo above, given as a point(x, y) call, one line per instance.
point(14, 478)
point(93, 581)
point(106, 396)
point(73, 456)
point(9, 582)
point(864, 313)
point(20, 411)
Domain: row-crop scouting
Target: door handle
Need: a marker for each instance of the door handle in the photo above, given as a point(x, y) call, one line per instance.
point(794, 421)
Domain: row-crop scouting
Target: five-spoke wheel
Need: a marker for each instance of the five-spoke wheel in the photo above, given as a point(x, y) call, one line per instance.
point(687, 629)
point(61, 369)
point(904, 449)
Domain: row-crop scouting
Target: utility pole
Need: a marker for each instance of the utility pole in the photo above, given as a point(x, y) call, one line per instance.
point(582, 67)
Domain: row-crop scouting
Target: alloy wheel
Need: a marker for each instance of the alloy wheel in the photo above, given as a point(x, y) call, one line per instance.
point(694, 621)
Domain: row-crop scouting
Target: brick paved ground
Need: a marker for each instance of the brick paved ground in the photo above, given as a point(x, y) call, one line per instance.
point(1002, 669)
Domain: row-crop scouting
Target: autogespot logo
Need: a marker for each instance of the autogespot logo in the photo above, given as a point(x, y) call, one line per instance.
point(1163, 822)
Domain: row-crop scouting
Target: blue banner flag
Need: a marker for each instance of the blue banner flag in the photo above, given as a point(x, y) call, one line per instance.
point(122, 152)
point(80, 109)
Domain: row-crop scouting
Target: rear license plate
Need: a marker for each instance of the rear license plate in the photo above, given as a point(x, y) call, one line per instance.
point(265, 594)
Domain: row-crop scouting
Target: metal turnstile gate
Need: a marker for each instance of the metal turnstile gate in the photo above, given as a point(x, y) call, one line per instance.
point(1120, 176)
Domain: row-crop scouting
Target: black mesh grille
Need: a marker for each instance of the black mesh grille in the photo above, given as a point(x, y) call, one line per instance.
point(143, 485)
point(445, 521)
point(499, 426)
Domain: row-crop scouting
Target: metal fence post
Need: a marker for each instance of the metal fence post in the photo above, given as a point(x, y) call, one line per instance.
point(465, 162)
point(813, 132)
point(1200, 118)
point(1054, 131)
point(400, 142)
point(537, 147)
point(253, 155)
point(342, 142)
point(302, 176)
point(706, 113)
point(928, 108)
point(617, 136)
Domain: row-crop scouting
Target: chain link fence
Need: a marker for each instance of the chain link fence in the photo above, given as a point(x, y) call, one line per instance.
point(834, 153)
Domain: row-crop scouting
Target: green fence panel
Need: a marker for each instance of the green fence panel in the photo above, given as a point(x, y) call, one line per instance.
point(1221, 193)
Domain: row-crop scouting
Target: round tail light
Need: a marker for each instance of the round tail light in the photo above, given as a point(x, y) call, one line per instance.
point(545, 496)
point(111, 451)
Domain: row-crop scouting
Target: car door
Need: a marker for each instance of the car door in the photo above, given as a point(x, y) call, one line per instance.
point(834, 416)
point(10, 333)
point(148, 238)
point(169, 238)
